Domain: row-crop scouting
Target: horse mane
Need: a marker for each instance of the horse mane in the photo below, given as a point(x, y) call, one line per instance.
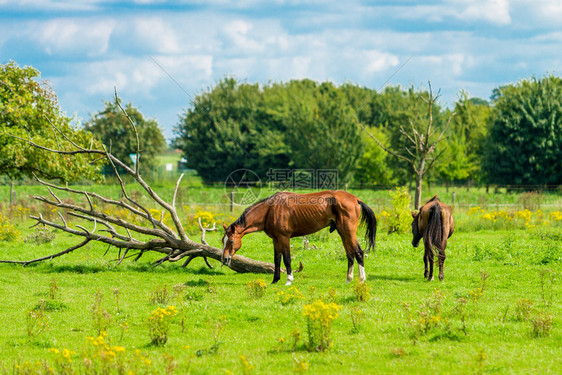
point(434, 231)
point(434, 199)
point(242, 219)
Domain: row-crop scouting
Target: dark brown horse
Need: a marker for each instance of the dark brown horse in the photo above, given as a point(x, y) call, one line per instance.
point(285, 215)
point(434, 222)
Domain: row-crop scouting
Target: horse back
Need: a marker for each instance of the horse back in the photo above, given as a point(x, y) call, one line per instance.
point(296, 214)
point(436, 223)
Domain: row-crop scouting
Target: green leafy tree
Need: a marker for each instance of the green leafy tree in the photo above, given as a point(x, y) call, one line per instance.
point(416, 138)
point(525, 136)
point(395, 110)
point(455, 164)
point(321, 131)
point(230, 128)
point(294, 125)
point(29, 110)
point(371, 167)
point(112, 127)
point(463, 157)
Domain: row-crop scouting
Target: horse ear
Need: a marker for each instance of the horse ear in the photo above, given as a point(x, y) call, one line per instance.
point(224, 226)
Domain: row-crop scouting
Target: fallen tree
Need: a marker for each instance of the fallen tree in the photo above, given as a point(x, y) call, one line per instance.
point(169, 240)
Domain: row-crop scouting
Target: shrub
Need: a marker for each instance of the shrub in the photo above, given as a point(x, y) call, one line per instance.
point(428, 317)
point(53, 289)
point(290, 296)
point(398, 219)
point(63, 361)
point(256, 288)
point(102, 358)
point(362, 291)
point(41, 236)
point(159, 323)
point(542, 324)
point(101, 318)
point(247, 367)
point(356, 314)
point(319, 317)
point(523, 310)
point(36, 321)
point(8, 232)
point(160, 295)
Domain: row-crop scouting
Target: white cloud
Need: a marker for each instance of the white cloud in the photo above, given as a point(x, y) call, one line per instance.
point(140, 76)
point(453, 64)
point(65, 5)
point(493, 11)
point(64, 36)
point(156, 34)
point(378, 61)
point(454, 44)
point(238, 32)
point(538, 14)
point(490, 11)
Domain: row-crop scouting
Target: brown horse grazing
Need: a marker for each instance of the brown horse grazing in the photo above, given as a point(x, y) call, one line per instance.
point(285, 215)
point(434, 222)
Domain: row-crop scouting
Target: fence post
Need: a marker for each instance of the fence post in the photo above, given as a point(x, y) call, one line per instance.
point(453, 199)
point(232, 201)
point(12, 194)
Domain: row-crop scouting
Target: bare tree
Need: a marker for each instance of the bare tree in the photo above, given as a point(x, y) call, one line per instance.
point(422, 141)
point(131, 238)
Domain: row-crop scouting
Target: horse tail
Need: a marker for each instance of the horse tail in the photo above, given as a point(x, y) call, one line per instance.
point(434, 234)
point(370, 221)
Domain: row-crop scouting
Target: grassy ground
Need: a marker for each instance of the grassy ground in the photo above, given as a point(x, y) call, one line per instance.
point(222, 322)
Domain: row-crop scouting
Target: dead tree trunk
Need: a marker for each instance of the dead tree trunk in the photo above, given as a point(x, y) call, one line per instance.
point(133, 239)
point(420, 145)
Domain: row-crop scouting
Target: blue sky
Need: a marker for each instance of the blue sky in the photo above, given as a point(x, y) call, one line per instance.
point(85, 48)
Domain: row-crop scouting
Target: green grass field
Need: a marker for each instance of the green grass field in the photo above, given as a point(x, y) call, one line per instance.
point(463, 325)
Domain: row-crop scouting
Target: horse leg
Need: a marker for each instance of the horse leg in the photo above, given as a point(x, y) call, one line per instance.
point(350, 252)
point(285, 248)
point(287, 262)
point(353, 251)
point(426, 263)
point(430, 259)
point(350, 258)
point(282, 250)
point(347, 229)
point(359, 256)
point(277, 261)
point(441, 258)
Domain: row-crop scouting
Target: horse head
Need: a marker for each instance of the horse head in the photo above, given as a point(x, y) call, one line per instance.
point(231, 243)
point(415, 229)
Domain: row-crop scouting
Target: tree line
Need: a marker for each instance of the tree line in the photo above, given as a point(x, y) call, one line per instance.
point(514, 138)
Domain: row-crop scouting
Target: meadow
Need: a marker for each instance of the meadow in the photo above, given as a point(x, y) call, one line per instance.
point(497, 311)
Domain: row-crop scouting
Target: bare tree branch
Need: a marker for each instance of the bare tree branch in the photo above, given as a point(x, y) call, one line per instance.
point(49, 257)
point(421, 142)
point(117, 231)
point(134, 127)
point(392, 152)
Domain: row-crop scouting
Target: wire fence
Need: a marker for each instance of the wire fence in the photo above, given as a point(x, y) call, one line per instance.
point(229, 197)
